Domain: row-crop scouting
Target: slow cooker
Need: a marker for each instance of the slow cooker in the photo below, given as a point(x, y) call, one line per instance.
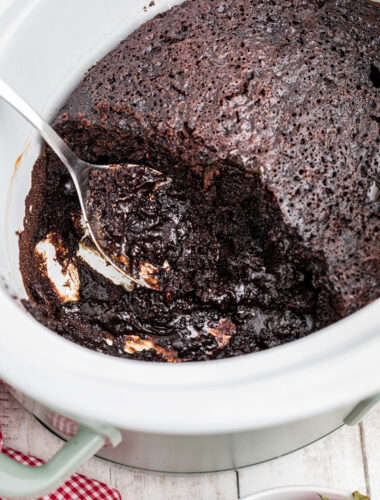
point(191, 417)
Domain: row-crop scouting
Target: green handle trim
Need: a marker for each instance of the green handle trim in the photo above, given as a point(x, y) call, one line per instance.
point(361, 410)
point(18, 481)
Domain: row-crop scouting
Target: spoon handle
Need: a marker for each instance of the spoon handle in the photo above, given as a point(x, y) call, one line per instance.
point(61, 149)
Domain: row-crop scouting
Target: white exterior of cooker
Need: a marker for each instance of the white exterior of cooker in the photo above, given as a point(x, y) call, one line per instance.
point(183, 417)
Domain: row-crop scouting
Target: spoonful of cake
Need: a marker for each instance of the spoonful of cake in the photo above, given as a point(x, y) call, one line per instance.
point(89, 180)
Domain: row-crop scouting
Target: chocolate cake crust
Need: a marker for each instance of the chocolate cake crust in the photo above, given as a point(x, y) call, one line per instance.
point(269, 108)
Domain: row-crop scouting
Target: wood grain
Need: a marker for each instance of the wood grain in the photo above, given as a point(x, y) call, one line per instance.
point(370, 434)
point(335, 461)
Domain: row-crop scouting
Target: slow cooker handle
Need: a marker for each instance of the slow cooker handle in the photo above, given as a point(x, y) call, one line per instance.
point(20, 481)
point(361, 409)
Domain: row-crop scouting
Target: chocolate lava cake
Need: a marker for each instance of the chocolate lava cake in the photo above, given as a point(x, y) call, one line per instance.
point(265, 115)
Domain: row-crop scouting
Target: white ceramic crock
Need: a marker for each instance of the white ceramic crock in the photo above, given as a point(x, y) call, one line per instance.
point(184, 417)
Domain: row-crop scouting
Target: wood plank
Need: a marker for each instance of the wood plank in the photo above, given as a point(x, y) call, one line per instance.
point(23, 432)
point(371, 450)
point(140, 485)
point(335, 461)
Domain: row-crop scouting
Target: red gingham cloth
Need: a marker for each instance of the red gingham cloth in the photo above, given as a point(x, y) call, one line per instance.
point(78, 487)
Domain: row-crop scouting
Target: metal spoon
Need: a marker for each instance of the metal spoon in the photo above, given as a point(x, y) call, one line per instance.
point(79, 170)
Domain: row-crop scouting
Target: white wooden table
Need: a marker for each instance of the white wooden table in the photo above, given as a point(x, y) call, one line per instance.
point(348, 458)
